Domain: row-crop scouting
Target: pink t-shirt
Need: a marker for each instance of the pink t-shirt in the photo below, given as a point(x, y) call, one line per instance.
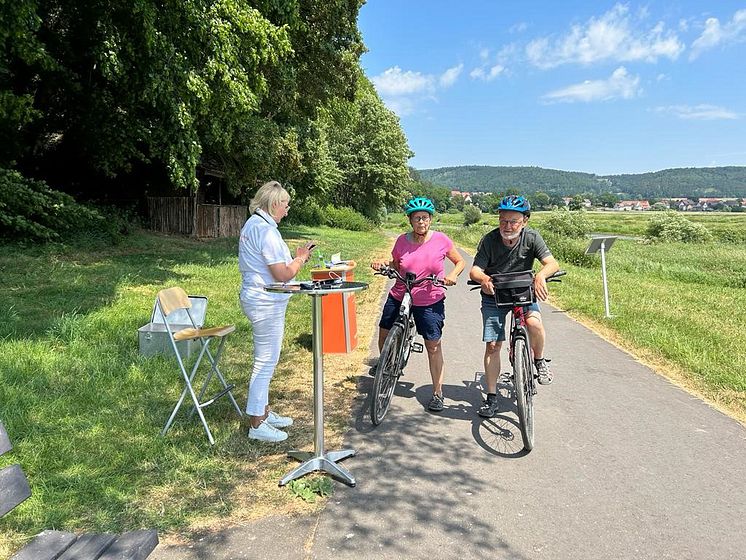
point(423, 260)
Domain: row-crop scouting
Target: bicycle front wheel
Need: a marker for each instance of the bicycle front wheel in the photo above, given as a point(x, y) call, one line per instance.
point(522, 370)
point(387, 374)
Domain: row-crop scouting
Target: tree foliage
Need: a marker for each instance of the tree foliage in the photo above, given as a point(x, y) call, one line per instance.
point(370, 151)
point(690, 182)
point(30, 210)
point(91, 88)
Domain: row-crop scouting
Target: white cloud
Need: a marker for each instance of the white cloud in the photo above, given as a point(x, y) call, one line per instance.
point(518, 27)
point(492, 67)
point(613, 36)
point(394, 81)
point(404, 91)
point(620, 84)
point(699, 112)
point(715, 34)
point(449, 77)
point(487, 73)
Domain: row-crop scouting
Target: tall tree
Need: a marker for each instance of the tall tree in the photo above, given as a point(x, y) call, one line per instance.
point(90, 87)
point(371, 151)
point(143, 80)
point(322, 66)
point(20, 51)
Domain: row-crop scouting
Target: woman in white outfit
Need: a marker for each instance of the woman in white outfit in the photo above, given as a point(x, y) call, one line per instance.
point(264, 258)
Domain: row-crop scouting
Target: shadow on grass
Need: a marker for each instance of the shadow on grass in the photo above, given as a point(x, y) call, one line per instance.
point(305, 341)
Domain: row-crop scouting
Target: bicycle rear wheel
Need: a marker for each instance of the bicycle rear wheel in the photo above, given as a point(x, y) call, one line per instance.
point(387, 374)
point(522, 370)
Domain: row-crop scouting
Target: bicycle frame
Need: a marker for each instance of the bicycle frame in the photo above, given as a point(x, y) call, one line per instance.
point(405, 317)
point(406, 320)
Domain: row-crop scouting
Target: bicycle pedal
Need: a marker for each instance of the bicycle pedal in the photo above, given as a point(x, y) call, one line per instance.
point(417, 347)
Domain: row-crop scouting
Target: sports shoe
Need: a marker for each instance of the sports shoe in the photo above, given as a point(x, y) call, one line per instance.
point(436, 403)
point(542, 368)
point(277, 421)
point(265, 432)
point(489, 408)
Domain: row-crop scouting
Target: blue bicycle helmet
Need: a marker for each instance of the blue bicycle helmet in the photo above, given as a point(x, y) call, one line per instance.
point(515, 203)
point(420, 204)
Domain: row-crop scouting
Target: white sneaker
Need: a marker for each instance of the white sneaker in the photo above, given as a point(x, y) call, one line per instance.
point(265, 432)
point(277, 421)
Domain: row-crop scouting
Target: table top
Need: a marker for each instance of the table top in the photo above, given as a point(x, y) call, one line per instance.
point(315, 288)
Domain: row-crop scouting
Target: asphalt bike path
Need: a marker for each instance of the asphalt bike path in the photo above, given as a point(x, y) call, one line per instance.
point(625, 466)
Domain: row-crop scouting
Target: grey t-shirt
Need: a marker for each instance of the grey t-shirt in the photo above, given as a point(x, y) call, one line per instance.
point(494, 257)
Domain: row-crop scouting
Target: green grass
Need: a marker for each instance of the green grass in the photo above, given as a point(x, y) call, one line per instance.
point(84, 410)
point(683, 303)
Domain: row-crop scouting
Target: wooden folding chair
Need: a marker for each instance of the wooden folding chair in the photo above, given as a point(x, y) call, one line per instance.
point(175, 299)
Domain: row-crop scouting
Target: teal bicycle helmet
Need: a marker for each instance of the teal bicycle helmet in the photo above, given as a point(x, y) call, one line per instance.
point(419, 204)
point(516, 204)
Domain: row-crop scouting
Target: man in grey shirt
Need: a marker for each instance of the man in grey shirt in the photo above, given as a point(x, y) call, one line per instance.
point(512, 247)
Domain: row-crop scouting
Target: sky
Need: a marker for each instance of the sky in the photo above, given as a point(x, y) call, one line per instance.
point(599, 87)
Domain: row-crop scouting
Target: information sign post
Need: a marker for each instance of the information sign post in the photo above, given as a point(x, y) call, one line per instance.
point(602, 244)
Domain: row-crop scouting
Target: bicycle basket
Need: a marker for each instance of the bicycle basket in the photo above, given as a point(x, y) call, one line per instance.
point(514, 289)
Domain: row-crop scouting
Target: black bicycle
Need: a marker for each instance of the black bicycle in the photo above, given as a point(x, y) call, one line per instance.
point(397, 347)
point(516, 291)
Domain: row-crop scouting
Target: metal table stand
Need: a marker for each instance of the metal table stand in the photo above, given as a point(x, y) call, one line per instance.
point(319, 459)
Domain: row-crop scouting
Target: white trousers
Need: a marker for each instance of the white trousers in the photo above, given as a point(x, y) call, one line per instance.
point(268, 322)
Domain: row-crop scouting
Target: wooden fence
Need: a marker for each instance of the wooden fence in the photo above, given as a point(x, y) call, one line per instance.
point(176, 214)
point(215, 220)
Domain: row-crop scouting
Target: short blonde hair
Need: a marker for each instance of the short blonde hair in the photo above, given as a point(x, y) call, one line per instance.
point(269, 194)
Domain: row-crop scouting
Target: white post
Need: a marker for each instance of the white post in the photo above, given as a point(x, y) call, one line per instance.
point(603, 273)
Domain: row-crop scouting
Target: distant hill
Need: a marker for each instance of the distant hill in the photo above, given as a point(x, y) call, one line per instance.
point(689, 182)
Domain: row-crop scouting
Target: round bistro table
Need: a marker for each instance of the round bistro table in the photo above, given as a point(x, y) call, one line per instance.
point(320, 459)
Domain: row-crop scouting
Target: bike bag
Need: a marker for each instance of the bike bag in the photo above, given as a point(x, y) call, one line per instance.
point(514, 289)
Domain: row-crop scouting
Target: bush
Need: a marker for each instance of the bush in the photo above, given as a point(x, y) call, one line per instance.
point(472, 215)
point(672, 226)
point(306, 212)
point(731, 235)
point(347, 218)
point(570, 250)
point(31, 210)
point(565, 223)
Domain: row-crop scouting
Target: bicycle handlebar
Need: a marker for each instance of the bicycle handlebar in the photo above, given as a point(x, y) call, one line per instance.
point(395, 274)
point(553, 278)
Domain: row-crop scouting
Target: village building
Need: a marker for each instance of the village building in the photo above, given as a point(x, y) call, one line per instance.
point(629, 205)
